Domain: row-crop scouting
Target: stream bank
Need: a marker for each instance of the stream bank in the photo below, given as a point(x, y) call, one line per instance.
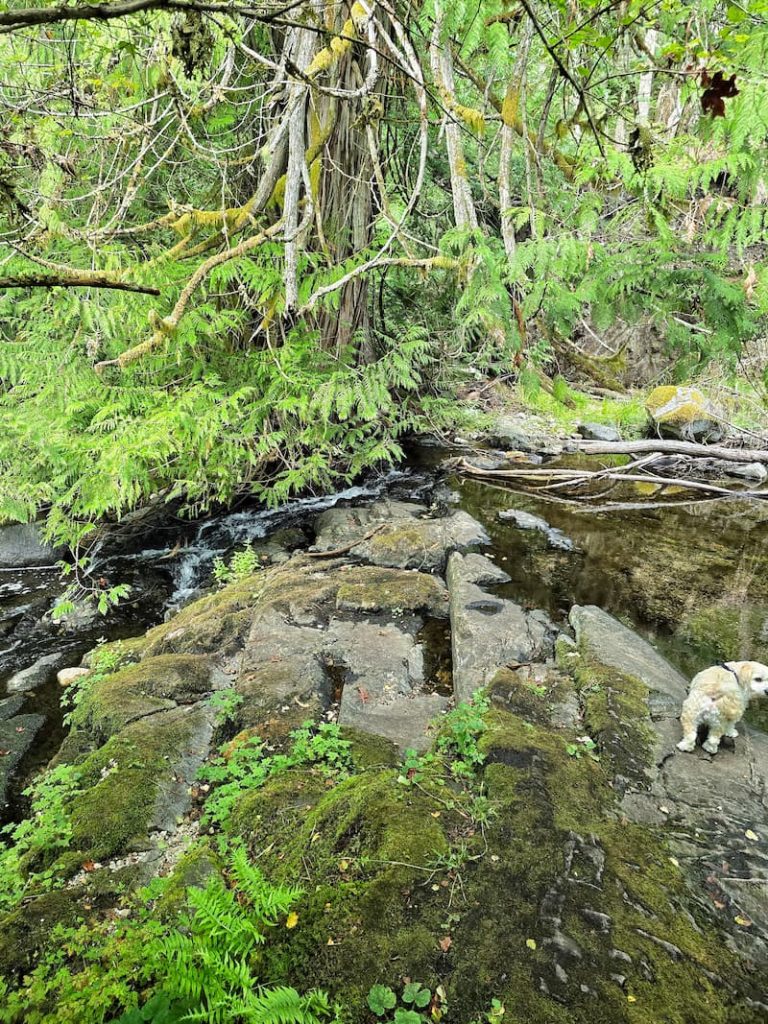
point(607, 880)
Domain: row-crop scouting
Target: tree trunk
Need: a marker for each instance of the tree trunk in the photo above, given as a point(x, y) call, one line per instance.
point(346, 208)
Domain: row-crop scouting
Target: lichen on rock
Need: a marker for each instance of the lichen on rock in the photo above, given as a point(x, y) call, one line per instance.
point(684, 413)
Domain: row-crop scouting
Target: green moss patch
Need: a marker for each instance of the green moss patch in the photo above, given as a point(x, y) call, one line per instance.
point(124, 781)
point(154, 684)
point(554, 903)
point(373, 589)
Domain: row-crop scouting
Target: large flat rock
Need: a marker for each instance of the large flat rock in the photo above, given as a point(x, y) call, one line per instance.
point(282, 666)
point(37, 674)
point(488, 632)
point(713, 809)
point(612, 644)
point(383, 683)
point(356, 640)
point(409, 721)
point(21, 544)
point(16, 737)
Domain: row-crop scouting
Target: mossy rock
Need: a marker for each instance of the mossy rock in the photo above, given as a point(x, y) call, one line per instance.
point(26, 930)
point(375, 589)
point(684, 413)
point(557, 906)
point(154, 684)
point(366, 848)
point(194, 869)
point(222, 621)
point(137, 782)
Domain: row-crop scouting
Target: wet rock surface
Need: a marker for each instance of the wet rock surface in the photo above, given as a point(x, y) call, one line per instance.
point(21, 544)
point(713, 809)
point(488, 632)
point(17, 734)
point(616, 646)
point(36, 674)
point(526, 521)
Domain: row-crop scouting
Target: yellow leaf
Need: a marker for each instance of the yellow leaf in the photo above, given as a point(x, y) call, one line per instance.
point(751, 835)
point(343, 865)
point(292, 920)
point(743, 921)
point(530, 943)
point(631, 999)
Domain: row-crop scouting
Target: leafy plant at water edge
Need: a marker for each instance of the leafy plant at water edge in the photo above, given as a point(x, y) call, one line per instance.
point(32, 843)
point(202, 968)
point(242, 564)
point(103, 662)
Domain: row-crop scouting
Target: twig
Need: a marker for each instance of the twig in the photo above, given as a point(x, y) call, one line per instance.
point(347, 547)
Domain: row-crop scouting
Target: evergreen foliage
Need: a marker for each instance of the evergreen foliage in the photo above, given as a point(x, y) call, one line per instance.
point(609, 163)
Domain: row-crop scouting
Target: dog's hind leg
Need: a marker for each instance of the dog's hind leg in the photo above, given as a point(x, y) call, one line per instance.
point(690, 728)
point(732, 732)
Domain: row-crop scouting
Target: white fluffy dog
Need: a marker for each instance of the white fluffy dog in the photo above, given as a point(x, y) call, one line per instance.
point(718, 698)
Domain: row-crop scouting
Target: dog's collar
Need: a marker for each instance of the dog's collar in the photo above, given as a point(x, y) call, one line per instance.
point(728, 668)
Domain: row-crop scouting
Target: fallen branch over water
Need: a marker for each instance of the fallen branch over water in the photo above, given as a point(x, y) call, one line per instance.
point(556, 478)
point(710, 451)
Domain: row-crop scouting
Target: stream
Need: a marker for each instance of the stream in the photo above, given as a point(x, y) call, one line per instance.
point(691, 578)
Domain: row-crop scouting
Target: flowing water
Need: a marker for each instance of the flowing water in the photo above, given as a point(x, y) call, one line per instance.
point(692, 578)
point(167, 563)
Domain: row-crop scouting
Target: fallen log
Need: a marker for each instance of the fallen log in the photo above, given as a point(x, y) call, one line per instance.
point(716, 451)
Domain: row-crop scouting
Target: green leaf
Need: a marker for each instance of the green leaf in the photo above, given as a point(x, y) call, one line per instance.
point(408, 1017)
point(381, 998)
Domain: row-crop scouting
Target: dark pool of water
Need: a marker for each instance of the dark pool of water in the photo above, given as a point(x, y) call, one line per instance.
point(658, 569)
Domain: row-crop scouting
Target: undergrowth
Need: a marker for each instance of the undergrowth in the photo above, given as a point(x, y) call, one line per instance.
point(567, 407)
point(203, 966)
point(205, 963)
